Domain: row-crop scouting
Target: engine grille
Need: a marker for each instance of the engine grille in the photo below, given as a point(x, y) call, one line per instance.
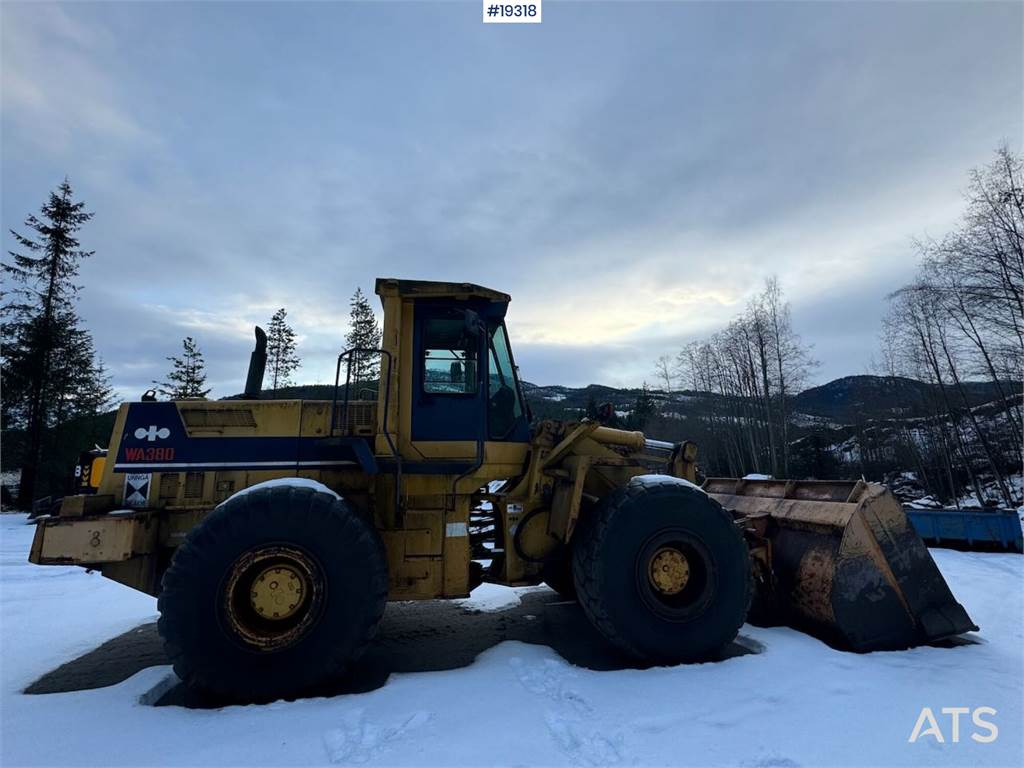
point(362, 417)
point(217, 417)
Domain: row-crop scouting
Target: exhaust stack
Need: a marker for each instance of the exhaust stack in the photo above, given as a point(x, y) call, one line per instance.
point(257, 365)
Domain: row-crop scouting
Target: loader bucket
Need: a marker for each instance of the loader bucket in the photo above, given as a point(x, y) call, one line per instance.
point(843, 562)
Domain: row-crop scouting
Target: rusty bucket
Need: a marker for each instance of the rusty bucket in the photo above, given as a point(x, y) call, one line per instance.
point(841, 560)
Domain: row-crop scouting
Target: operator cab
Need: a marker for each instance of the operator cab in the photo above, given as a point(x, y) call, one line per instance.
point(464, 383)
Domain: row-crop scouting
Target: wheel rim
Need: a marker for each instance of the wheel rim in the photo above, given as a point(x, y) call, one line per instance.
point(278, 591)
point(669, 571)
point(272, 597)
point(675, 575)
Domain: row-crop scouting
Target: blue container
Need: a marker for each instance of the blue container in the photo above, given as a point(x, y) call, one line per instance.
point(968, 528)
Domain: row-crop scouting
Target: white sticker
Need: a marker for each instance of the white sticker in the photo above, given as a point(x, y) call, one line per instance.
point(136, 490)
point(514, 509)
point(453, 530)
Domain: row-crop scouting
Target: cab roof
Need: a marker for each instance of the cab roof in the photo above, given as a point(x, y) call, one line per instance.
point(389, 286)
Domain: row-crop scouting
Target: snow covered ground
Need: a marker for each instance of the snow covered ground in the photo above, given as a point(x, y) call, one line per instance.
point(797, 703)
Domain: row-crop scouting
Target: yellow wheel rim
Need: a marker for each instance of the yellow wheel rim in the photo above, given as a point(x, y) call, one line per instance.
point(277, 592)
point(669, 571)
point(272, 597)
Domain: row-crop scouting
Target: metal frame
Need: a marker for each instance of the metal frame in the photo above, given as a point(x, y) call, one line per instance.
point(347, 355)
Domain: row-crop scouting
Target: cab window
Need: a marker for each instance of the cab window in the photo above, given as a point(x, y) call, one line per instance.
point(504, 408)
point(449, 358)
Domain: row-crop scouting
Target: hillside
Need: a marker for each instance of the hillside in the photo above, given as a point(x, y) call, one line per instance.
point(853, 398)
point(856, 425)
point(848, 400)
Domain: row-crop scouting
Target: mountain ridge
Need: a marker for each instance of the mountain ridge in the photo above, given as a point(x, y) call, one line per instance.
point(847, 400)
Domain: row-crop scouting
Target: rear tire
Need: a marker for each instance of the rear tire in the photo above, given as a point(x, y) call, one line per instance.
point(224, 623)
point(663, 572)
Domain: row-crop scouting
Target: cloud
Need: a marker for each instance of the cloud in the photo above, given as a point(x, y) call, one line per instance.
point(59, 85)
point(630, 177)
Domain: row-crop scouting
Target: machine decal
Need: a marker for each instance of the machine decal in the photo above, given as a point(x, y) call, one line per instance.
point(152, 433)
point(514, 510)
point(149, 454)
point(456, 530)
point(155, 440)
point(136, 489)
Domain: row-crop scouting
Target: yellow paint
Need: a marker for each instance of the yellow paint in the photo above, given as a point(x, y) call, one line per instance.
point(423, 519)
point(277, 592)
point(669, 571)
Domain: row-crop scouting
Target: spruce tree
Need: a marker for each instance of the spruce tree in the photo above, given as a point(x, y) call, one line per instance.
point(282, 359)
point(364, 332)
point(643, 409)
point(187, 375)
point(49, 366)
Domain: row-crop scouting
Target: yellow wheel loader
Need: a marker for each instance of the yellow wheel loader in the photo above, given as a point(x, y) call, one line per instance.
point(274, 531)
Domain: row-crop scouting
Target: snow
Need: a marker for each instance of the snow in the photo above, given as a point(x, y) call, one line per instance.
point(657, 479)
point(809, 420)
point(492, 597)
point(796, 703)
point(757, 476)
point(297, 482)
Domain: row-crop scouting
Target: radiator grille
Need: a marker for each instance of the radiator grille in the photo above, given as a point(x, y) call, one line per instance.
point(362, 418)
point(193, 485)
point(218, 417)
point(168, 486)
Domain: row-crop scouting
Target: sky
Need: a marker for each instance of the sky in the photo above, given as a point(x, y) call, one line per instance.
point(630, 172)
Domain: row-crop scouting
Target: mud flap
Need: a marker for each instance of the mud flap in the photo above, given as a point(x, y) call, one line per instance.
point(846, 565)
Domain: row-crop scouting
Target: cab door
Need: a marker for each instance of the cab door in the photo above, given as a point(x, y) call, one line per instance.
point(507, 419)
point(449, 401)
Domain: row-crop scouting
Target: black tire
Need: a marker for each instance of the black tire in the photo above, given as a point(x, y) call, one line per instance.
point(558, 575)
point(218, 644)
point(616, 549)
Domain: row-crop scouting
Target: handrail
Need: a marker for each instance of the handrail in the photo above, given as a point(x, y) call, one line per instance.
point(348, 353)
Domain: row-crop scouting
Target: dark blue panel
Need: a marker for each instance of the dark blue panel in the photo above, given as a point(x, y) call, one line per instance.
point(155, 440)
point(428, 467)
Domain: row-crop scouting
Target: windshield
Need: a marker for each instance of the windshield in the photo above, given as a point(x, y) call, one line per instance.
point(449, 358)
point(504, 407)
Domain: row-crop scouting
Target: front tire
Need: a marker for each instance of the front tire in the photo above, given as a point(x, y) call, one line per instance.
point(277, 591)
point(663, 572)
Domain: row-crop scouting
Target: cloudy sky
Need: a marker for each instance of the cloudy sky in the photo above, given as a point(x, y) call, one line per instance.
point(629, 172)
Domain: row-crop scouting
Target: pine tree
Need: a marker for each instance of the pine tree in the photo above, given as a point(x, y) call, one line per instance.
point(49, 366)
point(187, 375)
point(70, 394)
point(643, 409)
point(282, 359)
point(364, 333)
